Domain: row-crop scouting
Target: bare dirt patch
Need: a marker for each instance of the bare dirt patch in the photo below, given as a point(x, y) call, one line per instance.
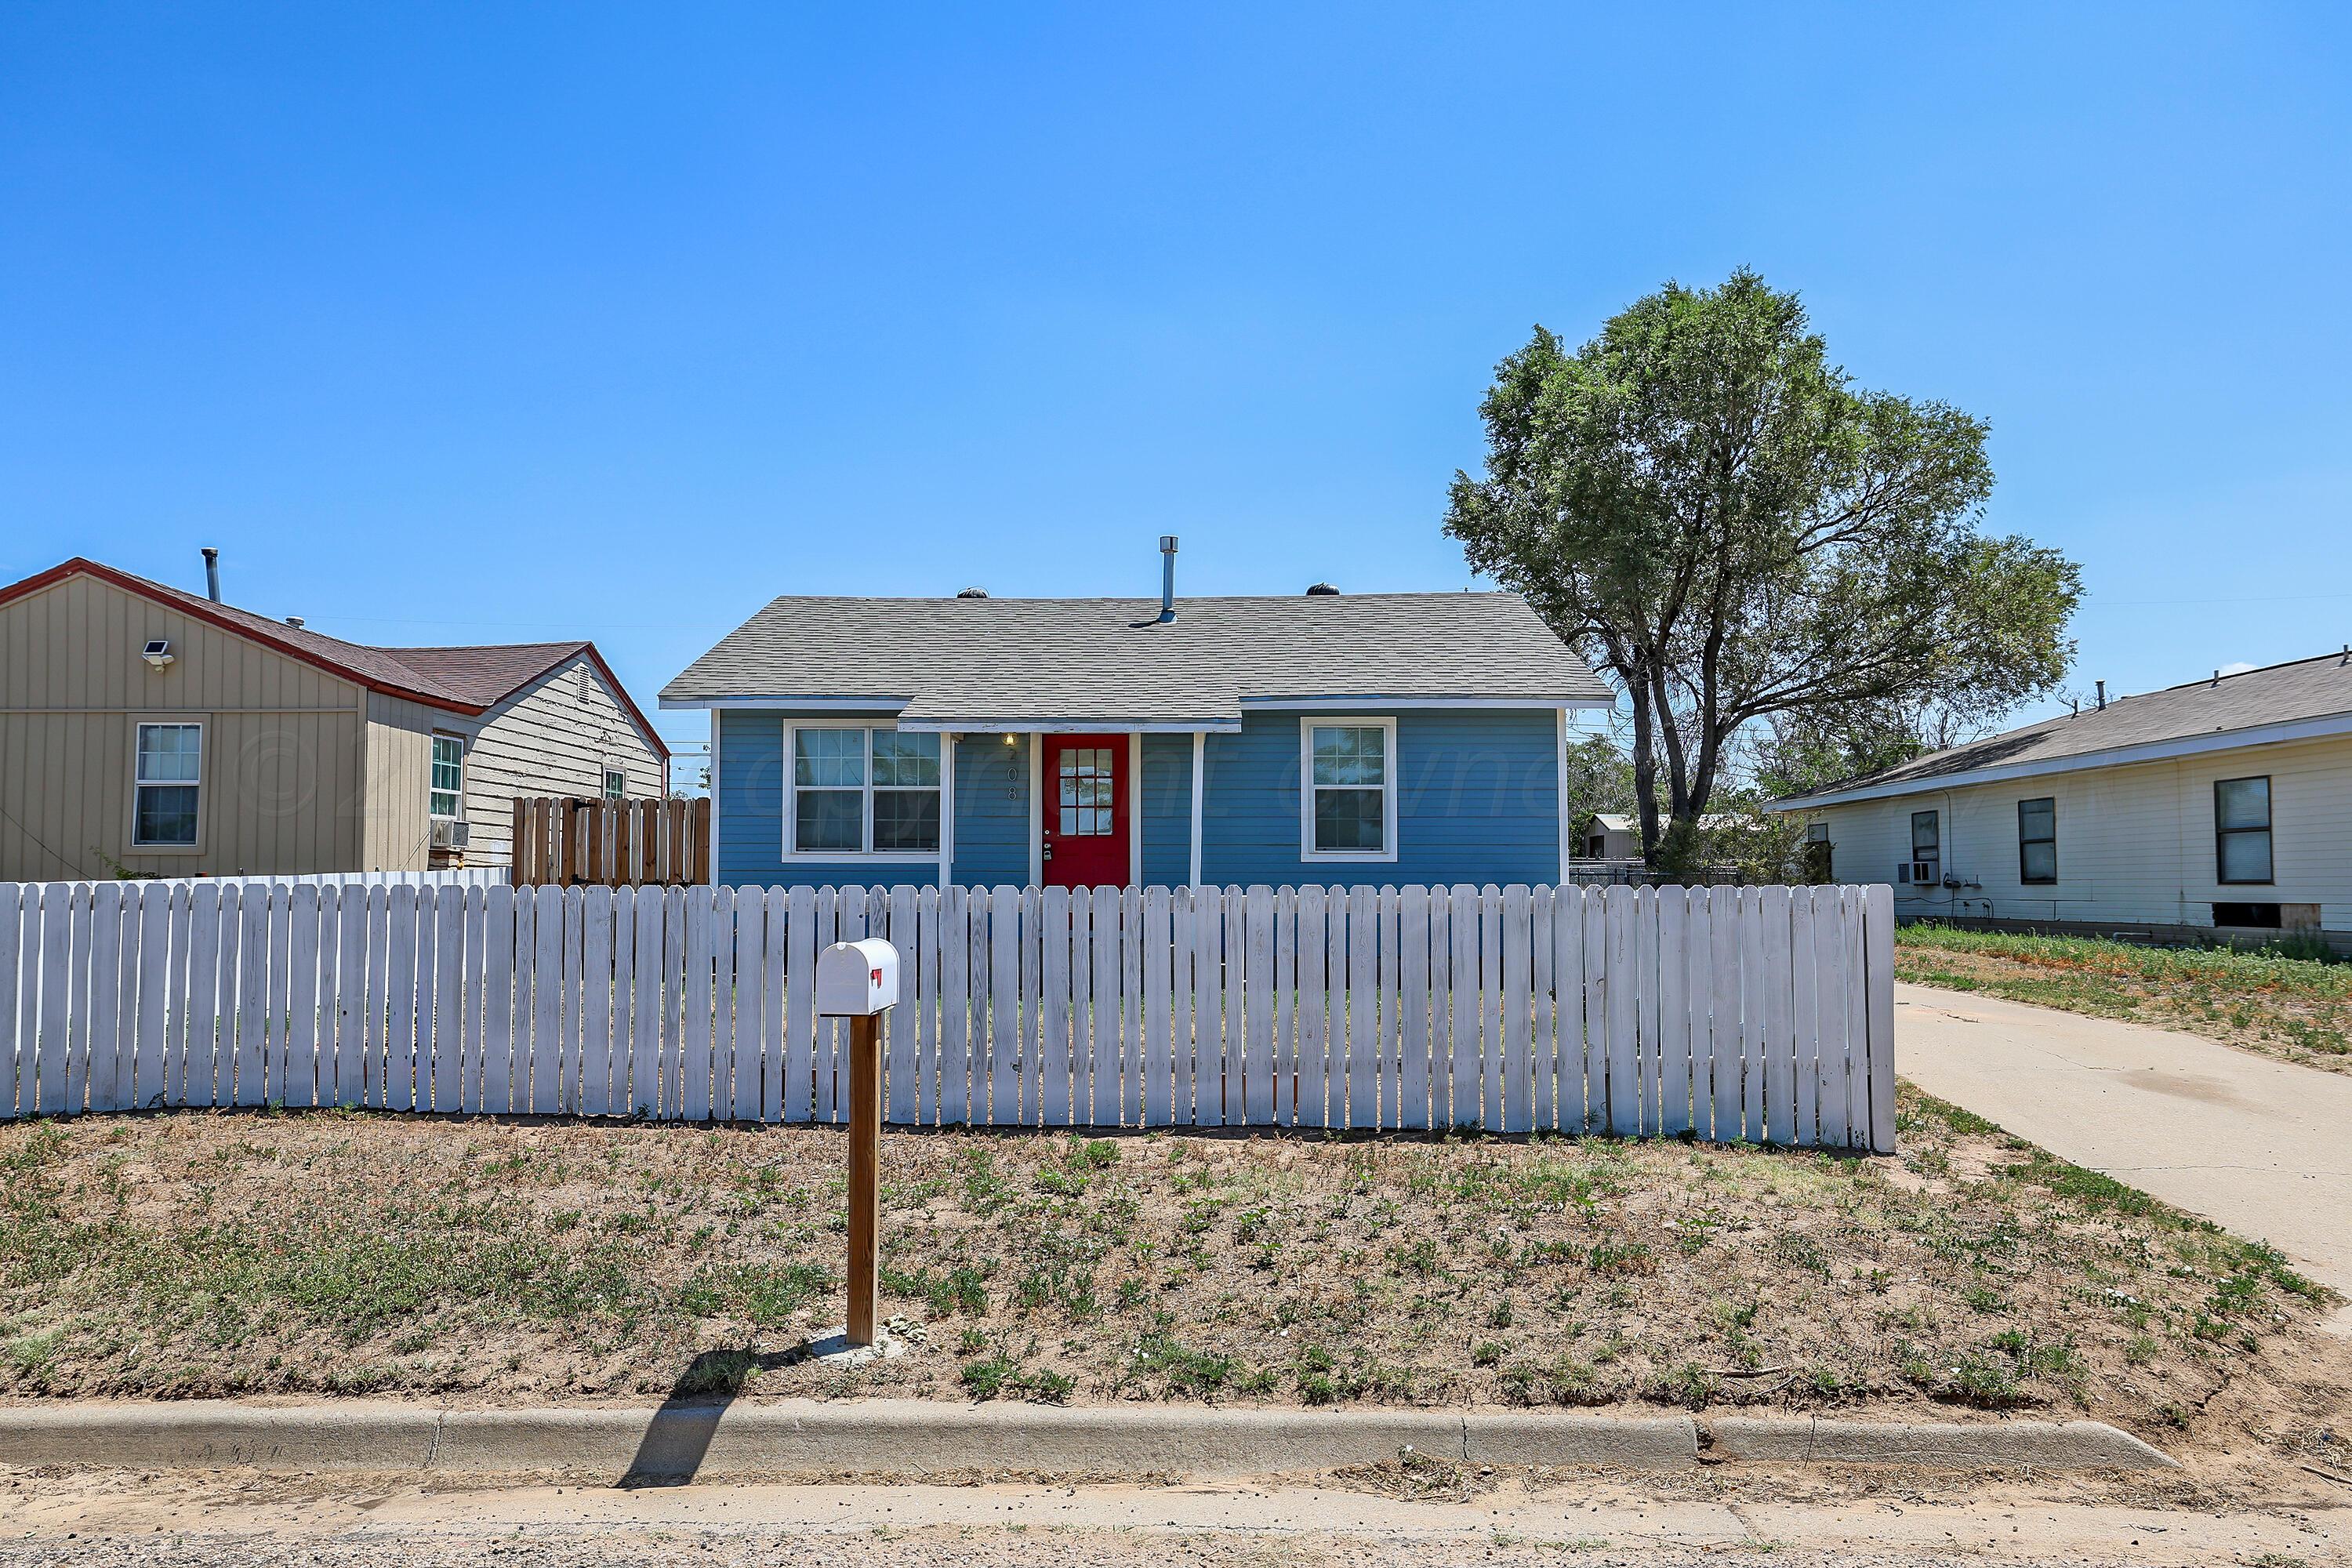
point(297, 1253)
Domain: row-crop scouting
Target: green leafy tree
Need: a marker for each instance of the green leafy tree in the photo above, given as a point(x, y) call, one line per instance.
point(1710, 511)
point(1599, 779)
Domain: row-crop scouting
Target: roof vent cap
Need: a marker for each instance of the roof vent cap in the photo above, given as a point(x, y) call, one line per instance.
point(294, 621)
point(971, 593)
point(1321, 591)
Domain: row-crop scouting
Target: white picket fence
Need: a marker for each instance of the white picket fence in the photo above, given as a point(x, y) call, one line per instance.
point(462, 876)
point(1726, 1012)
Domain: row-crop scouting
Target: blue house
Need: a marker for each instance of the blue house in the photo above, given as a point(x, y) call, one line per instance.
point(1387, 738)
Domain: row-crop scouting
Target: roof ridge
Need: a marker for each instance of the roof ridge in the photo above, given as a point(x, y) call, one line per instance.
point(1181, 599)
point(2343, 656)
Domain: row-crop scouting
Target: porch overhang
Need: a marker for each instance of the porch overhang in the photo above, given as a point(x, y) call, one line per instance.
point(1046, 726)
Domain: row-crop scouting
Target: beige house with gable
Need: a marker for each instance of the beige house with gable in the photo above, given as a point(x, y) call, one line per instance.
point(149, 729)
point(2219, 807)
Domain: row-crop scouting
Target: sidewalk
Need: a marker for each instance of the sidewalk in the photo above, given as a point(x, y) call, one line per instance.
point(2262, 1148)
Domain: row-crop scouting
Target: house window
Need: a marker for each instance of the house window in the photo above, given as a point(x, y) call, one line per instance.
point(449, 775)
point(616, 783)
point(167, 781)
point(1820, 856)
point(2242, 829)
point(860, 792)
point(1348, 806)
point(2037, 840)
point(1926, 846)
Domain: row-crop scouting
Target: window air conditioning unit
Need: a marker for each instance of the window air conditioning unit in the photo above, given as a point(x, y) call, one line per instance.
point(449, 835)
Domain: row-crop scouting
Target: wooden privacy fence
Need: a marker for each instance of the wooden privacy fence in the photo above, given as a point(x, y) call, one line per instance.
point(1729, 1013)
point(590, 841)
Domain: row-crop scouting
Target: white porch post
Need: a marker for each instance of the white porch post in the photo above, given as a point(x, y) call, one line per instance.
point(713, 830)
point(1135, 808)
point(947, 810)
point(1036, 808)
point(1200, 773)
point(1560, 766)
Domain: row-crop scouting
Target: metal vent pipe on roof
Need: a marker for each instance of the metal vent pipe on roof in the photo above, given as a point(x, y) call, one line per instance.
point(2103, 696)
point(1166, 577)
point(212, 573)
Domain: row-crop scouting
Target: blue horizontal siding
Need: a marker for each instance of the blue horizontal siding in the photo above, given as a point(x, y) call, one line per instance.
point(992, 808)
point(1478, 802)
point(991, 791)
point(1166, 810)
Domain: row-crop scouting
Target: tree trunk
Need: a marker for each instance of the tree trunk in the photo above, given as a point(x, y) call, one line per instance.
point(1645, 766)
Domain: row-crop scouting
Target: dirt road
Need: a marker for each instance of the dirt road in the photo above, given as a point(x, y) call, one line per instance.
point(1790, 1517)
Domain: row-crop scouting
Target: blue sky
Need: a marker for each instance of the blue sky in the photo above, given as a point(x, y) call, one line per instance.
point(481, 323)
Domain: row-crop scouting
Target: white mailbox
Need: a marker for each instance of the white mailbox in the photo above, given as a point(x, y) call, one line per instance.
point(856, 979)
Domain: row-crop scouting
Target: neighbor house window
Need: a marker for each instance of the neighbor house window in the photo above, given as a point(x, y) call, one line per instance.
point(166, 780)
point(2242, 829)
point(858, 792)
point(616, 783)
point(2037, 840)
point(1348, 806)
point(449, 775)
point(1926, 846)
point(1820, 855)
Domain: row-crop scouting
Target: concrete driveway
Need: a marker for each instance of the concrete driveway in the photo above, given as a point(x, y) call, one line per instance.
point(2261, 1147)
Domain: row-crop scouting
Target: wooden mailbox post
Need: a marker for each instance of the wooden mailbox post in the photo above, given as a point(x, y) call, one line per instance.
point(859, 981)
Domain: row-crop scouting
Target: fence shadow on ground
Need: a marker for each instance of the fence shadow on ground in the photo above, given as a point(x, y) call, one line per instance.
point(678, 1437)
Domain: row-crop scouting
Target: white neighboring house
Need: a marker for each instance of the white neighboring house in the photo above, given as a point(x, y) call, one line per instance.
point(2214, 808)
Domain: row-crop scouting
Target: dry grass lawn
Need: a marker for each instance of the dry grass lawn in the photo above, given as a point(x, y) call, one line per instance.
point(324, 1252)
point(2298, 1009)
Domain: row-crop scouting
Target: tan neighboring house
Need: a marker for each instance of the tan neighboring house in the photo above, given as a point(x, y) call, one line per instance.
point(162, 731)
point(2221, 807)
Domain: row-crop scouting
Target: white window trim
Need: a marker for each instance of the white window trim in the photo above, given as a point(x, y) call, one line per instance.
point(794, 856)
point(1387, 854)
point(204, 757)
point(604, 780)
point(460, 815)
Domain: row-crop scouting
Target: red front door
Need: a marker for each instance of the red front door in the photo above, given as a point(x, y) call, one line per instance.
point(1084, 817)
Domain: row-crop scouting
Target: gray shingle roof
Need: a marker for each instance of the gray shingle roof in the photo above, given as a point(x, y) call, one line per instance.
point(1020, 661)
point(2280, 694)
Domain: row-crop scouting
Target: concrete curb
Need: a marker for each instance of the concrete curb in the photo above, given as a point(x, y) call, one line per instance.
point(2035, 1445)
point(915, 1439)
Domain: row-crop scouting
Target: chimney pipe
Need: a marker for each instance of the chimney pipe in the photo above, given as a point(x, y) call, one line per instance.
point(2103, 696)
point(1166, 577)
point(212, 575)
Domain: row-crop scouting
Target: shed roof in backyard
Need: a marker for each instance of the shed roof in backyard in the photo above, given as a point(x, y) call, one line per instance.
point(2278, 703)
point(961, 663)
